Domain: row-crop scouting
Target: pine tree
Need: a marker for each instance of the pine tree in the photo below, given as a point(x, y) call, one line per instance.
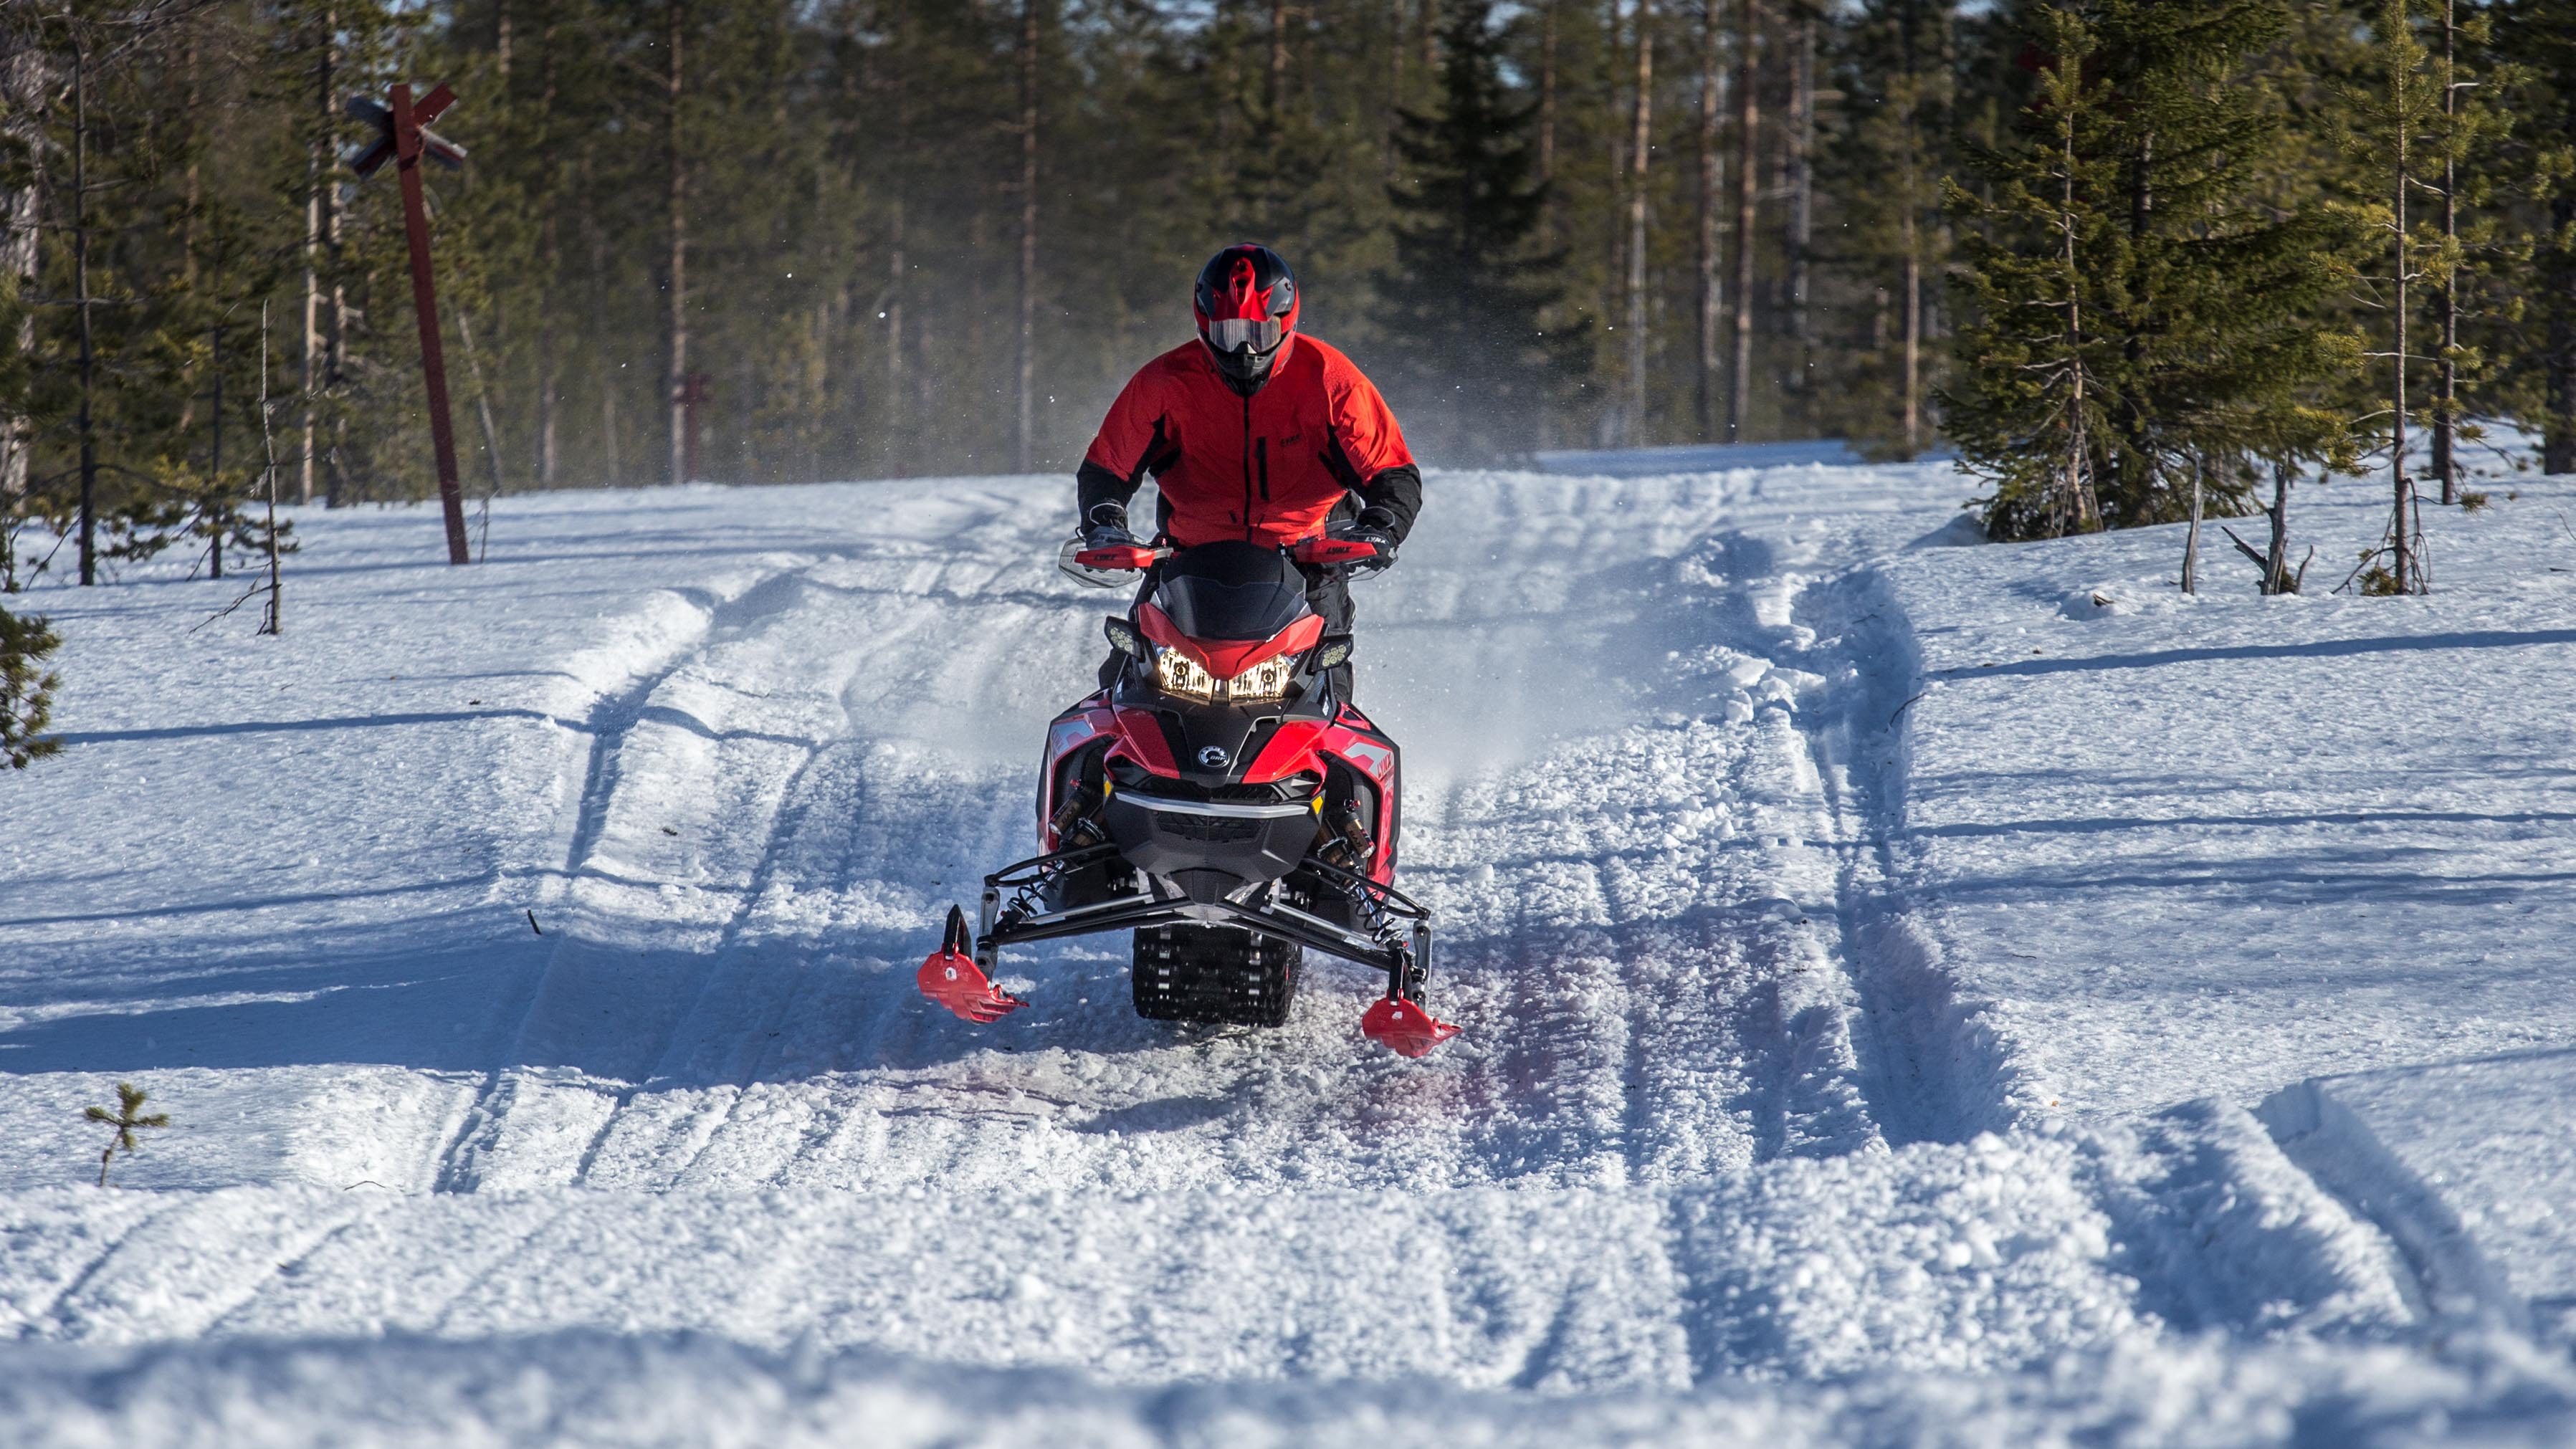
point(2181, 315)
point(2027, 407)
point(26, 689)
point(2534, 335)
point(1885, 163)
point(1474, 366)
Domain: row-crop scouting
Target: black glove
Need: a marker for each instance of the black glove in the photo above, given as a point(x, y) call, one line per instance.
point(1373, 526)
point(1105, 526)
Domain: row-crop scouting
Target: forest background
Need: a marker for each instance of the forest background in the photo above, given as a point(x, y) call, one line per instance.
point(923, 237)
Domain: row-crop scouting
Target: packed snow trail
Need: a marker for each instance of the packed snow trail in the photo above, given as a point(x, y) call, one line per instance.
point(529, 950)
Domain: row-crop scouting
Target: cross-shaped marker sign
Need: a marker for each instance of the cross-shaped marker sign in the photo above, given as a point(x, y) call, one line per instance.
point(402, 139)
point(368, 111)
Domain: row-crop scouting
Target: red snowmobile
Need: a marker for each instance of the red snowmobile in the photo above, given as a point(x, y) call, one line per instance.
point(1220, 799)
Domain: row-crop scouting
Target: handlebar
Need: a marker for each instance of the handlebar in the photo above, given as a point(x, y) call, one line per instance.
point(1320, 551)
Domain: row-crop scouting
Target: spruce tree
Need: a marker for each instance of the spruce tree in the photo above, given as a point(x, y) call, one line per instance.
point(2120, 260)
point(1474, 368)
point(26, 689)
point(2535, 332)
point(2026, 405)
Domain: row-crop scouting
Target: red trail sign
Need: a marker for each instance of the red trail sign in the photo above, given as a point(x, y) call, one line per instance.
point(404, 138)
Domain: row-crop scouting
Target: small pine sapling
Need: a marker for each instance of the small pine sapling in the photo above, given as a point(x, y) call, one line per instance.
point(26, 689)
point(129, 1104)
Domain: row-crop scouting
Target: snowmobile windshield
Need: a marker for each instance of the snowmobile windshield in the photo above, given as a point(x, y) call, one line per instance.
point(1231, 590)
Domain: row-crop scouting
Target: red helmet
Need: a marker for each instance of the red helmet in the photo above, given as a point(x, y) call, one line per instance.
point(1246, 304)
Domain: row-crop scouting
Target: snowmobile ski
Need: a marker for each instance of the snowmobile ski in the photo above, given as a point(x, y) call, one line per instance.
point(952, 978)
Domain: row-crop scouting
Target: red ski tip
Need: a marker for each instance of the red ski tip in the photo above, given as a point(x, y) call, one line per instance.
point(1405, 1027)
point(951, 978)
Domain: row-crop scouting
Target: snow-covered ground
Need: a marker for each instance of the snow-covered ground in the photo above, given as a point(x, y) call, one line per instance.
point(1913, 992)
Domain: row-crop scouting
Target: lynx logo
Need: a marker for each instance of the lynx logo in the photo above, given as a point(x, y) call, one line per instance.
point(1213, 757)
point(1373, 758)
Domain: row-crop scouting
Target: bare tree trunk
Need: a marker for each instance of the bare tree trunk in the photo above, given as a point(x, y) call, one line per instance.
point(1640, 147)
point(2276, 558)
point(2074, 509)
point(26, 85)
point(81, 301)
point(549, 280)
point(1802, 186)
point(2191, 540)
point(1547, 105)
point(1430, 20)
point(1274, 78)
point(1394, 79)
point(482, 398)
point(676, 357)
point(1024, 435)
point(2402, 518)
point(317, 168)
point(1711, 184)
point(2447, 400)
point(2558, 424)
point(1748, 36)
point(896, 411)
point(1911, 327)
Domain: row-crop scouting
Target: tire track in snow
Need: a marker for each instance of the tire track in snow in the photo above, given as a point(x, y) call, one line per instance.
point(610, 720)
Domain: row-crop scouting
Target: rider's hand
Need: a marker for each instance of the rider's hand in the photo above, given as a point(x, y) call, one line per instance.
point(1373, 526)
point(1106, 527)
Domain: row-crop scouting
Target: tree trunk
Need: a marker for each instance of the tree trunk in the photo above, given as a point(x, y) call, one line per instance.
point(2276, 558)
point(317, 201)
point(1024, 434)
point(1430, 37)
point(482, 399)
point(2403, 487)
point(1547, 109)
point(1640, 148)
point(1910, 328)
point(1394, 79)
point(2446, 400)
point(549, 278)
point(2191, 540)
point(26, 84)
point(2075, 509)
point(2558, 424)
point(1748, 39)
point(1711, 185)
point(1802, 186)
point(675, 375)
point(81, 302)
point(897, 413)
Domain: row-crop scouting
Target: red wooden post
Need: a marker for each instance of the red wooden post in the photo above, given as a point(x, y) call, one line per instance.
point(693, 391)
point(403, 137)
point(424, 301)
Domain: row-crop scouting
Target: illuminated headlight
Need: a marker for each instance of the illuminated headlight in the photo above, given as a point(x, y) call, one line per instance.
point(1178, 673)
point(1266, 680)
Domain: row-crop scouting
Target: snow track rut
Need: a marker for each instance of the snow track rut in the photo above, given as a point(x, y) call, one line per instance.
point(1712, 1112)
point(1637, 910)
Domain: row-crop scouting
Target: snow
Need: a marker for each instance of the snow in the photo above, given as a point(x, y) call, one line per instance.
point(1913, 993)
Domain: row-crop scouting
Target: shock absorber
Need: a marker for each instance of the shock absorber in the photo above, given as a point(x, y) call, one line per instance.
point(1076, 821)
point(1350, 848)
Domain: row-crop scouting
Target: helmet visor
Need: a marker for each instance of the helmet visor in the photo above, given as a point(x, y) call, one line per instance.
point(1234, 334)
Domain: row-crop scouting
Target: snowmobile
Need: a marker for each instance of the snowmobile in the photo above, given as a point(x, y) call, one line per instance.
point(1222, 799)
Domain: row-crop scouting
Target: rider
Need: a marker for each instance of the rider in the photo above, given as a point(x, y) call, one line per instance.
point(1255, 432)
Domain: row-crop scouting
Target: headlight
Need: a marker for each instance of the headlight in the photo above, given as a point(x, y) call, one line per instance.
point(1177, 673)
point(1266, 680)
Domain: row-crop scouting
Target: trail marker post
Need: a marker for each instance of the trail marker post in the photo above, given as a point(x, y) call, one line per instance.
point(404, 138)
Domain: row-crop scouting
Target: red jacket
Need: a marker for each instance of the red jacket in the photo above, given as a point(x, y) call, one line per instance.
point(1265, 468)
